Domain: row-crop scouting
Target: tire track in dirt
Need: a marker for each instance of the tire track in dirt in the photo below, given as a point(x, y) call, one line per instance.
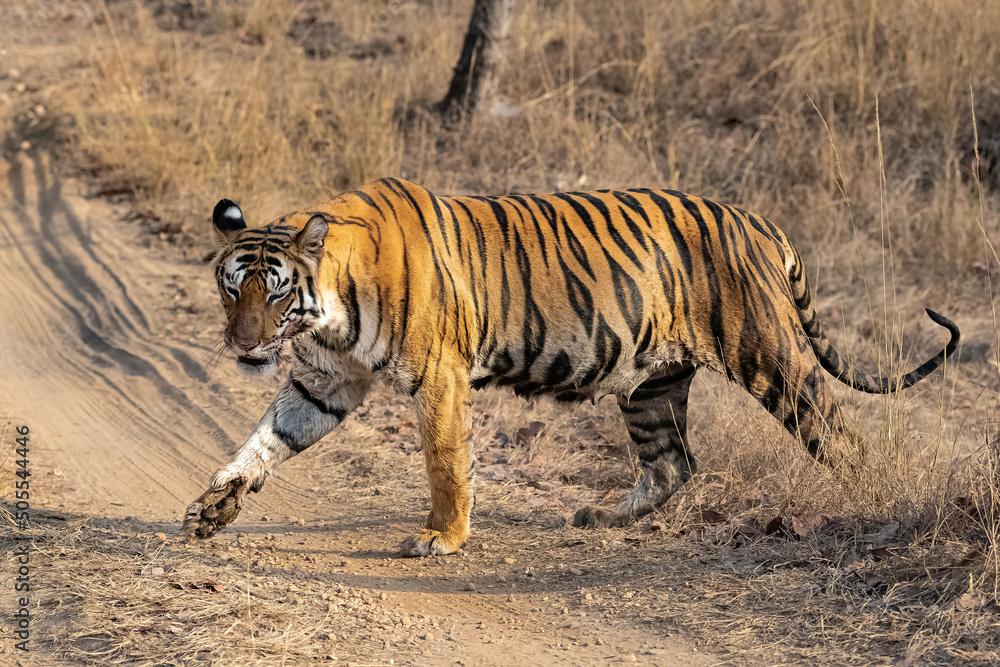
point(116, 407)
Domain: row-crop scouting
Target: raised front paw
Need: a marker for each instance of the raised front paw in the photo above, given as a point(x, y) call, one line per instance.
point(214, 510)
point(431, 543)
point(594, 517)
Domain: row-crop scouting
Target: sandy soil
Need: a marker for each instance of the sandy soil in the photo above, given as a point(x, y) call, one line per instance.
point(106, 337)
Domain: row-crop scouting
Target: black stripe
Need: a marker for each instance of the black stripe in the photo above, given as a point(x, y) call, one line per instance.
point(616, 236)
point(338, 412)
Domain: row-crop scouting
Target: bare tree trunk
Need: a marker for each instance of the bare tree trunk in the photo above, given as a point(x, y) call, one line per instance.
point(473, 83)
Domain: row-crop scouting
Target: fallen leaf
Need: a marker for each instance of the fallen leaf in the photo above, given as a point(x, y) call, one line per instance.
point(855, 562)
point(496, 472)
point(968, 601)
point(880, 554)
point(776, 525)
point(807, 524)
point(748, 528)
point(711, 516)
point(525, 434)
point(885, 533)
point(538, 462)
point(872, 580)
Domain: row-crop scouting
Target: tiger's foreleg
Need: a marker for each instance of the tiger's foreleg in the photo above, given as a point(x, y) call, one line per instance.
point(309, 405)
point(656, 417)
point(444, 405)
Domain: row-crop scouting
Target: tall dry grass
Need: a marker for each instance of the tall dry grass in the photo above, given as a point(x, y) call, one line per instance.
point(739, 102)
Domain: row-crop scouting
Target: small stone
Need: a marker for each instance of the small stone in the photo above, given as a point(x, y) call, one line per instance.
point(598, 642)
point(469, 586)
point(14, 73)
point(588, 596)
point(160, 536)
point(509, 560)
point(267, 518)
point(383, 596)
point(629, 658)
point(293, 519)
point(575, 571)
point(428, 637)
point(501, 579)
point(292, 598)
point(40, 110)
point(25, 145)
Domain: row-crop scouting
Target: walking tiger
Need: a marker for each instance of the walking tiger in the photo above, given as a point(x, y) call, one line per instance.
point(573, 295)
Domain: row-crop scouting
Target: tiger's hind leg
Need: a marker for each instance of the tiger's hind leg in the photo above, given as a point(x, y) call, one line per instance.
point(656, 417)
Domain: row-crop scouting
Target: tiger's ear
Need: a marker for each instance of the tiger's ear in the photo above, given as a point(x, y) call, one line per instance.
point(311, 241)
point(228, 220)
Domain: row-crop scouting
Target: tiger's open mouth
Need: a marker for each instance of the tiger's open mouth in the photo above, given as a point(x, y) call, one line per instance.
point(251, 361)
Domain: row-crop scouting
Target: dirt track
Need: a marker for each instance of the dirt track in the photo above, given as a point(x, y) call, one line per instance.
point(105, 347)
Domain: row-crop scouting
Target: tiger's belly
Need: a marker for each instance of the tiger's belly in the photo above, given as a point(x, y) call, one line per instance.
point(575, 375)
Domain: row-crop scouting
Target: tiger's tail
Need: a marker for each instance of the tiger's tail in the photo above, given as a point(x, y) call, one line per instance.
point(842, 368)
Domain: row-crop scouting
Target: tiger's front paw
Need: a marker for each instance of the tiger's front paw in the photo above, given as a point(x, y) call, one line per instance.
point(594, 517)
point(214, 510)
point(432, 543)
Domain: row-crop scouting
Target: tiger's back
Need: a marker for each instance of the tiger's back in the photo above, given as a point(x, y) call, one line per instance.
point(578, 294)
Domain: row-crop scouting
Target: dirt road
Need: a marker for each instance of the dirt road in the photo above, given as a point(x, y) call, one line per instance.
point(106, 338)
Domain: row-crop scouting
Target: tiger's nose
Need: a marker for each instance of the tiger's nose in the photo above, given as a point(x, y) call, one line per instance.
point(244, 332)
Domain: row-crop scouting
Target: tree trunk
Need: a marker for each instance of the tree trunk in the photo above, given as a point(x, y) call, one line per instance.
point(473, 83)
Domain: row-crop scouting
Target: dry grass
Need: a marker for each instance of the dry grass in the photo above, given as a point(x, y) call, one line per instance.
point(748, 106)
point(135, 598)
point(850, 124)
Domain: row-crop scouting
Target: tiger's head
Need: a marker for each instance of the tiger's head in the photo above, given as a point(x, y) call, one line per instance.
point(268, 279)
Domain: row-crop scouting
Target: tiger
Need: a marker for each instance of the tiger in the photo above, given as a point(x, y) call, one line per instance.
point(569, 295)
